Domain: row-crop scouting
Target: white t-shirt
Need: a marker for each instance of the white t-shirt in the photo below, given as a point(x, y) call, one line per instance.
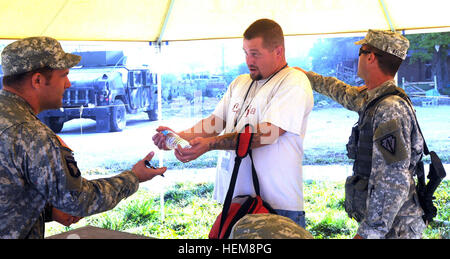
point(284, 101)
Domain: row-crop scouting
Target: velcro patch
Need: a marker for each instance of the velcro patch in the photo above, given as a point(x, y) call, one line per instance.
point(73, 179)
point(389, 142)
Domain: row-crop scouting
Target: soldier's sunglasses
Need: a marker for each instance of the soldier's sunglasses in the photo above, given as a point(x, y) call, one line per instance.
point(362, 51)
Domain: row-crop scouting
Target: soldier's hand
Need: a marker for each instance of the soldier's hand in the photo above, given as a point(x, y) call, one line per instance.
point(159, 139)
point(64, 218)
point(143, 173)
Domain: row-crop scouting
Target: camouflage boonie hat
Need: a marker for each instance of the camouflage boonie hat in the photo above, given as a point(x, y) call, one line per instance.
point(32, 53)
point(387, 41)
point(268, 226)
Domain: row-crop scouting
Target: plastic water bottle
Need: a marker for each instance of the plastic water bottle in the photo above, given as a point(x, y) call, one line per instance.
point(173, 140)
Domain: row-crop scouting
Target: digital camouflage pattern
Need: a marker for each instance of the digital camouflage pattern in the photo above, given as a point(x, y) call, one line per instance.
point(393, 210)
point(387, 41)
point(32, 53)
point(268, 226)
point(36, 170)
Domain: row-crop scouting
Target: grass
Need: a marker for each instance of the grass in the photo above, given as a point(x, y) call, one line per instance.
point(190, 212)
point(208, 160)
point(325, 214)
point(313, 156)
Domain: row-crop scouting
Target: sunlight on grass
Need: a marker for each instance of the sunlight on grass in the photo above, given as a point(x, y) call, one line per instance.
point(190, 212)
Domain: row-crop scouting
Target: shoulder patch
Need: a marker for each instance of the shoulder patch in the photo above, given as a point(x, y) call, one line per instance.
point(388, 140)
point(73, 179)
point(388, 143)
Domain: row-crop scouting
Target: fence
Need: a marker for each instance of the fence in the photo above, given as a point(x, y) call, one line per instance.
point(423, 93)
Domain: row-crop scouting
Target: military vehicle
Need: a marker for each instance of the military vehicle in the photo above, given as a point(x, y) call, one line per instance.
point(105, 89)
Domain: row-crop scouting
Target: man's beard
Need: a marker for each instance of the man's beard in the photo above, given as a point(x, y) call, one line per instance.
point(256, 77)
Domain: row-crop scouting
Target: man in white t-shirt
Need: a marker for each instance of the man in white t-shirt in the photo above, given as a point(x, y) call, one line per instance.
point(276, 100)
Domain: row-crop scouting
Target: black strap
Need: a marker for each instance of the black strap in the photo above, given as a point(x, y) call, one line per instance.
point(237, 163)
point(405, 97)
point(254, 175)
point(239, 116)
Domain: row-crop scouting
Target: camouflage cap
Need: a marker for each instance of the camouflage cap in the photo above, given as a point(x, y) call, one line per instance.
point(387, 41)
point(268, 226)
point(32, 53)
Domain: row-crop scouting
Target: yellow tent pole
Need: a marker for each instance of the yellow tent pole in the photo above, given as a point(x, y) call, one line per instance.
point(386, 15)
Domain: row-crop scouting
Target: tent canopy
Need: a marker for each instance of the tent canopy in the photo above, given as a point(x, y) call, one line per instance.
point(175, 20)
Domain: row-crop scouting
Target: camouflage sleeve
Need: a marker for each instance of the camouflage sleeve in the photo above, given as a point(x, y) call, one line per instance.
point(390, 179)
point(351, 97)
point(52, 170)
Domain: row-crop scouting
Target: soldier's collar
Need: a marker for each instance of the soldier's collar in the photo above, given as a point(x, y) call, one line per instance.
point(385, 87)
point(18, 99)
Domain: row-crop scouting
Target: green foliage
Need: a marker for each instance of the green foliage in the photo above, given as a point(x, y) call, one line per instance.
point(325, 215)
point(440, 227)
point(423, 45)
point(326, 156)
point(190, 213)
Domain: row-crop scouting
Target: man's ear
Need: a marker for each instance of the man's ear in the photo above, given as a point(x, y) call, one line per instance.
point(279, 50)
point(371, 57)
point(37, 80)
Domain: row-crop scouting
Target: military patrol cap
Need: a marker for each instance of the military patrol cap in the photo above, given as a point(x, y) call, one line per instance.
point(268, 226)
point(32, 53)
point(387, 41)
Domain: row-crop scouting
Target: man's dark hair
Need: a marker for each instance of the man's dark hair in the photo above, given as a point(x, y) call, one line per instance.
point(16, 80)
point(269, 30)
point(388, 63)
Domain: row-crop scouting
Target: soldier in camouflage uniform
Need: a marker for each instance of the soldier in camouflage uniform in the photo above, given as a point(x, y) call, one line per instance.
point(38, 173)
point(386, 143)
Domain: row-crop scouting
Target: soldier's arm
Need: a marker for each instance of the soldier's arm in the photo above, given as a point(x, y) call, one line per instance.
point(351, 97)
point(54, 174)
point(390, 180)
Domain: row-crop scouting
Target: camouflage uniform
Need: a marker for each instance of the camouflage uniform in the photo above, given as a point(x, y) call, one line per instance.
point(35, 52)
point(268, 226)
point(392, 206)
point(36, 169)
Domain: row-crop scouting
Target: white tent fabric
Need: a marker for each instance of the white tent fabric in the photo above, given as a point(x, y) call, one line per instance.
point(175, 20)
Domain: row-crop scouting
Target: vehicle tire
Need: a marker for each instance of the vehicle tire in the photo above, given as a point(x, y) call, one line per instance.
point(55, 124)
point(152, 115)
point(118, 116)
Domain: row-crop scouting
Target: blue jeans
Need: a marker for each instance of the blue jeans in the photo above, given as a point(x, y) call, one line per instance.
point(297, 216)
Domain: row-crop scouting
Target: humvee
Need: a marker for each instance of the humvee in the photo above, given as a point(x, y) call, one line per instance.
point(105, 89)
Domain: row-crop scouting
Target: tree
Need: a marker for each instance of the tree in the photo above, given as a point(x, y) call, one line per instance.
point(432, 47)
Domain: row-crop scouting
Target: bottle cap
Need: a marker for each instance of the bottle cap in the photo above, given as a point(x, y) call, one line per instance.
point(165, 132)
